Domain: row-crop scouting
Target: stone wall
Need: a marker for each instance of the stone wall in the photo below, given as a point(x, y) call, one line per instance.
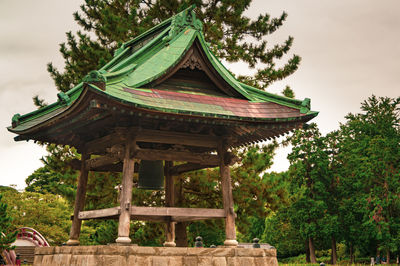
point(152, 256)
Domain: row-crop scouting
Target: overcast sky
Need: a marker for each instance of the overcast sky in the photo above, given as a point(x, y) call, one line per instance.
point(350, 50)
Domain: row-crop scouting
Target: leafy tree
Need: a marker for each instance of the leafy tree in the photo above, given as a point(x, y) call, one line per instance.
point(310, 179)
point(56, 176)
point(369, 153)
point(7, 236)
point(47, 213)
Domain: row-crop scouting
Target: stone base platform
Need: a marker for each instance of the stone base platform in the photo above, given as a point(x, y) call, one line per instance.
point(152, 256)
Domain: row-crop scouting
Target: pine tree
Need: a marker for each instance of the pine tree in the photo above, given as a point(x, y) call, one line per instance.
point(233, 36)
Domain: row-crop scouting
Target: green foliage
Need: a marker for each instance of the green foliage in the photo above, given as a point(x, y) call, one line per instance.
point(282, 235)
point(47, 213)
point(212, 232)
point(288, 92)
point(7, 236)
point(232, 36)
point(56, 176)
point(370, 155)
point(309, 178)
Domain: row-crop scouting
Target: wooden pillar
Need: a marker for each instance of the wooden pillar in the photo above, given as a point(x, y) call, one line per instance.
point(230, 231)
point(126, 193)
point(169, 202)
point(79, 202)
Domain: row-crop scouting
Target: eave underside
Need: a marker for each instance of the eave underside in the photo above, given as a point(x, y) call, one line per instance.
point(96, 118)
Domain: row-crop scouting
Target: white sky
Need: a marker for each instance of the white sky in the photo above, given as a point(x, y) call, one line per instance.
point(350, 50)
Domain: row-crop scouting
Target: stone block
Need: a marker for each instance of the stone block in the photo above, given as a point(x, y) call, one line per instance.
point(175, 260)
point(149, 251)
point(265, 261)
point(172, 251)
point(249, 252)
point(190, 261)
point(160, 261)
point(198, 251)
point(139, 260)
point(84, 250)
point(232, 261)
point(219, 261)
point(62, 259)
point(204, 260)
point(44, 250)
point(245, 261)
point(222, 252)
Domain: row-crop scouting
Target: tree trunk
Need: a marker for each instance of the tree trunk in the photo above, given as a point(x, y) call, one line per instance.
point(181, 234)
point(351, 253)
point(307, 252)
point(388, 257)
point(333, 252)
point(313, 258)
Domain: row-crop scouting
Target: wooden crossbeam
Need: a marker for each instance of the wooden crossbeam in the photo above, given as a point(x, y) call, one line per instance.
point(115, 167)
point(101, 161)
point(153, 136)
point(156, 214)
point(187, 167)
point(176, 156)
point(100, 214)
point(175, 211)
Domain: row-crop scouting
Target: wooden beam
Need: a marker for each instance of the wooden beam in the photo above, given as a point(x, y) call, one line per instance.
point(101, 161)
point(100, 214)
point(174, 211)
point(168, 137)
point(161, 214)
point(115, 167)
point(101, 144)
point(184, 156)
point(187, 167)
point(153, 136)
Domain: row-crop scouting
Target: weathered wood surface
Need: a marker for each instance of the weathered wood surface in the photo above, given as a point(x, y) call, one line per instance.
point(99, 214)
point(155, 213)
point(153, 136)
point(169, 202)
point(101, 161)
point(174, 211)
point(114, 167)
point(187, 167)
point(126, 196)
point(227, 197)
point(79, 202)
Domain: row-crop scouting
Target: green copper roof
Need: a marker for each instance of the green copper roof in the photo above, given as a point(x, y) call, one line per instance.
point(129, 76)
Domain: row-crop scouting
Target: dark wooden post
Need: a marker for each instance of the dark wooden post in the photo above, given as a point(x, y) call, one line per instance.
point(227, 197)
point(126, 194)
point(79, 202)
point(169, 202)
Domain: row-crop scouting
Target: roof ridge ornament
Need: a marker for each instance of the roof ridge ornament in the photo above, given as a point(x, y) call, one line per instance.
point(96, 78)
point(305, 106)
point(64, 98)
point(186, 18)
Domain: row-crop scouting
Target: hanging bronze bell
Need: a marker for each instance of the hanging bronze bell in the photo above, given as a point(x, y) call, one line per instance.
point(151, 175)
